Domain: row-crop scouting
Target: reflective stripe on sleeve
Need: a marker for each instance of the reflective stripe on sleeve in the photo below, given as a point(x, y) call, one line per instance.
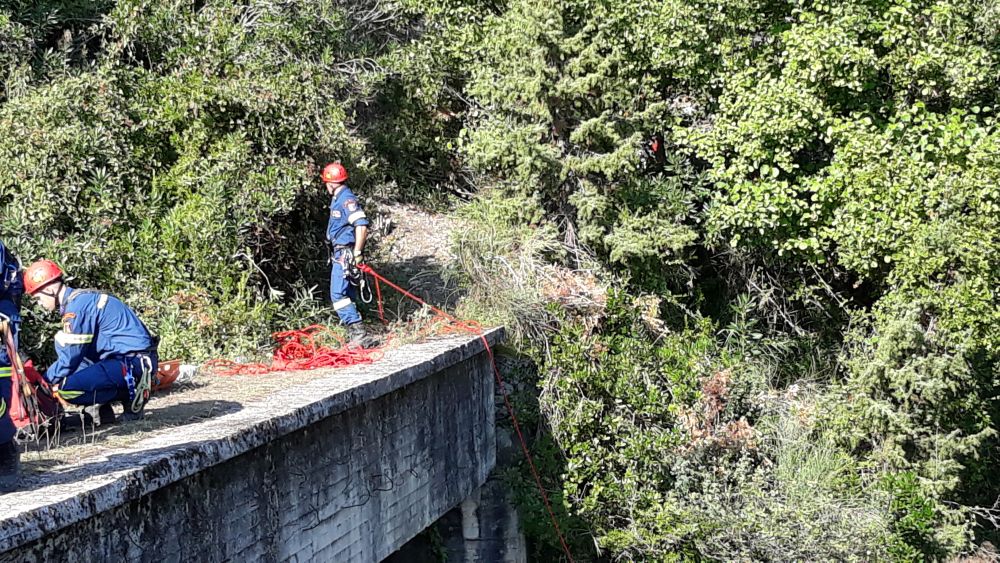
point(5, 371)
point(355, 216)
point(341, 303)
point(69, 394)
point(67, 338)
point(102, 301)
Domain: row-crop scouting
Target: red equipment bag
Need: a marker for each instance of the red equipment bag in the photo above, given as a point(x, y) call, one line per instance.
point(33, 406)
point(32, 402)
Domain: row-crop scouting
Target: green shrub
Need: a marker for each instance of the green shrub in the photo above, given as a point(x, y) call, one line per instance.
point(502, 252)
point(173, 162)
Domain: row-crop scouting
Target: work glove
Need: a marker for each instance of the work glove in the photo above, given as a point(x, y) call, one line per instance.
point(354, 273)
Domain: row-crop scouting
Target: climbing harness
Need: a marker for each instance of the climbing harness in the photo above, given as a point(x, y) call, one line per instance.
point(129, 379)
point(9, 267)
point(145, 384)
point(138, 389)
point(364, 287)
point(354, 275)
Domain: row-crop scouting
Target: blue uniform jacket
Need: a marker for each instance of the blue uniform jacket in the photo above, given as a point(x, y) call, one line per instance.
point(11, 283)
point(345, 214)
point(95, 326)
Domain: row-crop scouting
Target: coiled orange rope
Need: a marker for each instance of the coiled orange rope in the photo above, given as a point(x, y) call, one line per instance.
point(304, 349)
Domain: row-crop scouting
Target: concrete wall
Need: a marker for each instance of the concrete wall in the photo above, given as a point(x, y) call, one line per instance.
point(346, 475)
point(490, 528)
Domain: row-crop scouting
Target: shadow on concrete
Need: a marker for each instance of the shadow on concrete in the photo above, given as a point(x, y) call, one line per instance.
point(39, 474)
point(158, 415)
point(175, 389)
point(42, 460)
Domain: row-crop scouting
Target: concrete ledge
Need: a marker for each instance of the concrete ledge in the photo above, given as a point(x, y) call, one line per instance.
point(83, 490)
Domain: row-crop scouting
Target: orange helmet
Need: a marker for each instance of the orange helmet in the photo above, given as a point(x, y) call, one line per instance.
point(41, 274)
point(334, 172)
point(166, 374)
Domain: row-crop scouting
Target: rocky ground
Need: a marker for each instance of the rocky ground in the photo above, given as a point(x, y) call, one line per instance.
point(413, 249)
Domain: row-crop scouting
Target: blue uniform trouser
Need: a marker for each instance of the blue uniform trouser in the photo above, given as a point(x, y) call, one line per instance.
point(7, 429)
point(341, 291)
point(105, 381)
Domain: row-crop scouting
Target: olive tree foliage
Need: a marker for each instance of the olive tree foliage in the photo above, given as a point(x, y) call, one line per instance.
point(833, 163)
point(168, 151)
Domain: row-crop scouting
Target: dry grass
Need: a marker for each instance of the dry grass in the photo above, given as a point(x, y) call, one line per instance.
point(414, 252)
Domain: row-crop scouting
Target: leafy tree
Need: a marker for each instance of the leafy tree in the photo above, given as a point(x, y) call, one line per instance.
point(833, 161)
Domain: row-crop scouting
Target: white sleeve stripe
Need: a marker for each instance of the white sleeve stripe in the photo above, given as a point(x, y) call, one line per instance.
point(102, 301)
point(66, 338)
point(355, 216)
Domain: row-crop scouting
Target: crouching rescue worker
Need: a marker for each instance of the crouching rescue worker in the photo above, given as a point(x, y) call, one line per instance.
point(346, 232)
point(105, 353)
point(11, 288)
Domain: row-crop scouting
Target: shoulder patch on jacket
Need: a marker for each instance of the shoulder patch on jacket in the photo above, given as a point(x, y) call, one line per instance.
point(67, 322)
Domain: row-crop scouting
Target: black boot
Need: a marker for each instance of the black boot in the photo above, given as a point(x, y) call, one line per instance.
point(106, 414)
point(356, 335)
point(134, 410)
point(132, 416)
point(10, 466)
point(76, 420)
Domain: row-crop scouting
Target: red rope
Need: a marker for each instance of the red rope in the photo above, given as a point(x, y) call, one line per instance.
point(303, 349)
point(381, 309)
point(474, 328)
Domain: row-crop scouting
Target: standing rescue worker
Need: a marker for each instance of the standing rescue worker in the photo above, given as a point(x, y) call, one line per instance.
point(11, 288)
point(346, 232)
point(105, 353)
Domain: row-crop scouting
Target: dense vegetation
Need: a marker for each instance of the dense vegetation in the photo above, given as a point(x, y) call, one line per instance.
point(791, 206)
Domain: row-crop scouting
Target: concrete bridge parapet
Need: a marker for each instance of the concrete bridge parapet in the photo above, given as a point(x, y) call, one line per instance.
point(347, 467)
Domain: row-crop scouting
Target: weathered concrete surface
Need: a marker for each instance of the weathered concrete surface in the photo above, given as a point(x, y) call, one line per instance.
point(347, 467)
point(489, 526)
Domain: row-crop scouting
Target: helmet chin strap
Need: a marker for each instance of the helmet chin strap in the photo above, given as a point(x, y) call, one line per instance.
point(53, 294)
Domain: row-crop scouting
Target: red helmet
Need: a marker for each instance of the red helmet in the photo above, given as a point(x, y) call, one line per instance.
point(41, 274)
point(334, 172)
